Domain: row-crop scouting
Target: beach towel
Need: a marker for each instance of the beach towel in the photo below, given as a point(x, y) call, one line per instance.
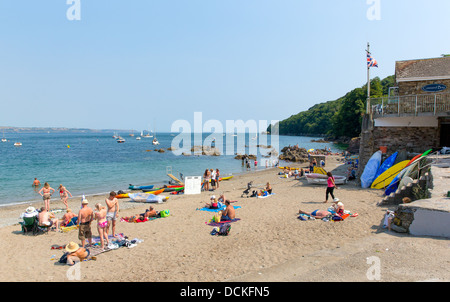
point(215, 210)
point(148, 219)
point(211, 223)
point(265, 196)
point(69, 228)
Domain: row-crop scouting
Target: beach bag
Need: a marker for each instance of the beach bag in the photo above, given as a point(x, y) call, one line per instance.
point(337, 218)
point(164, 213)
point(63, 258)
point(224, 229)
point(217, 217)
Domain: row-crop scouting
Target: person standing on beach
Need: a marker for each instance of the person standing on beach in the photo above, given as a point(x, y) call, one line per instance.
point(46, 193)
point(102, 223)
point(217, 178)
point(85, 217)
point(112, 204)
point(206, 177)
point(64, 194)
point(213, 179)
point(330, 186)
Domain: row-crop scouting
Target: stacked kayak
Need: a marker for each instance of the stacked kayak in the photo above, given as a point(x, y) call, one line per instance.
point(174, 189)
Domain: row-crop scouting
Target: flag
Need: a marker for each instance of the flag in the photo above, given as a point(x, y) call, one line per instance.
point(371, 62)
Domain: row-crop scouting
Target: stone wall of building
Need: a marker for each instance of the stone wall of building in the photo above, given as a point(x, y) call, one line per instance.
point(410, 139)
point(415, 87)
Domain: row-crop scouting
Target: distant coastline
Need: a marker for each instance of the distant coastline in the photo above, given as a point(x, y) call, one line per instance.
point(8, 129)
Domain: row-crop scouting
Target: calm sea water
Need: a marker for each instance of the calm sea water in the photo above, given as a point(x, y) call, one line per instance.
point(96, 163)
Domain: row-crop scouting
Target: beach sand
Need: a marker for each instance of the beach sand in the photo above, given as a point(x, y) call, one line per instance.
point(269, 243)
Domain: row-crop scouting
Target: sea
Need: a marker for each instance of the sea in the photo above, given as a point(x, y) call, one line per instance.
point(88, 163)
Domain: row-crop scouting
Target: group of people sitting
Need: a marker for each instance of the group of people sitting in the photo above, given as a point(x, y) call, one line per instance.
point(296, 173)
point(217, 203)
point(47, 219)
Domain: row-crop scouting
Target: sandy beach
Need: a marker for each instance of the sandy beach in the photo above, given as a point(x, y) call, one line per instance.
point(268, 243)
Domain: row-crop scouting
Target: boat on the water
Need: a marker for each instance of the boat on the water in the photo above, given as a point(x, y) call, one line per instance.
point(321, 179)
point(17, 144)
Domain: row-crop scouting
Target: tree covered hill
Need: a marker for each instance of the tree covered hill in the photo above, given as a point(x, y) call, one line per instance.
point(339, 118)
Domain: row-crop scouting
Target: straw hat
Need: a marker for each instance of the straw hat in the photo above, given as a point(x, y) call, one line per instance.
point(30, 210)
point(84, 201)
point(336, 200)
point(72, 247)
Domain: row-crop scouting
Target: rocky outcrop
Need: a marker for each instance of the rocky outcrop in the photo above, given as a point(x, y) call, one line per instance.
point(294, 154)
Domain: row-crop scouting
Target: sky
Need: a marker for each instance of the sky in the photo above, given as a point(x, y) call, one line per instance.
point(144, 64)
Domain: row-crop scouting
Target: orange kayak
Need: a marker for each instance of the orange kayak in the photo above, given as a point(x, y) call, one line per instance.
point(156, 192)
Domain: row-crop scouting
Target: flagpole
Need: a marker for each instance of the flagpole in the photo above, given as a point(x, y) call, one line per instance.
point(368, 82)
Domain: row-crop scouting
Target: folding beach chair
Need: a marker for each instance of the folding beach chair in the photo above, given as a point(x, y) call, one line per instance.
point(29, 224)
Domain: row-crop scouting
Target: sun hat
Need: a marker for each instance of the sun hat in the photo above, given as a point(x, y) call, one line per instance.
point(72, 247)
point(30, 210)
point(213, 197)
point(336, 199)
point(84, 201)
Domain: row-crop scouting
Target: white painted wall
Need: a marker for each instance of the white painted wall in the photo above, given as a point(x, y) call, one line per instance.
point(407, 121)
point(430, 223)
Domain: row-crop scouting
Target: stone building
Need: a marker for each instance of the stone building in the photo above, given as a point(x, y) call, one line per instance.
point(415, 116)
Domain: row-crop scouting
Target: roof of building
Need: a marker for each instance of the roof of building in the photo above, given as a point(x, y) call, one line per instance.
point(423, 69)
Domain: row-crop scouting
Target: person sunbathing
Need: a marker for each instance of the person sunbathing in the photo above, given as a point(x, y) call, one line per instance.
point(68, 216)
point(319, 214)
point(136, 218)
point(214, 204)
point(229, 213)
point(47, 219)
point(150, 212)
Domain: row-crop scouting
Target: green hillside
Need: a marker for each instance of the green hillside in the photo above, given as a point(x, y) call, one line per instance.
point(339, 118)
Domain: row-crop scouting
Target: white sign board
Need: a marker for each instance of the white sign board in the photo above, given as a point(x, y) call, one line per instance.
point(192, 185)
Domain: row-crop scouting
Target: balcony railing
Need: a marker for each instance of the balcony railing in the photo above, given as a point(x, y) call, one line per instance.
point(407, 105)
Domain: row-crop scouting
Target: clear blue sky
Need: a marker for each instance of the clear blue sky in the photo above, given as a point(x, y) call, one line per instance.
point(140, 63)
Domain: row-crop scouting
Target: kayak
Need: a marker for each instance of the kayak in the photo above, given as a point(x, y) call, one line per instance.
point(155, 192)
point(124, 195)
point(131, 187)
point(164, 189)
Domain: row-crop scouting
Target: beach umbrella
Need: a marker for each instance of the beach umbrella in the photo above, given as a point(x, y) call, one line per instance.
point(311, 150)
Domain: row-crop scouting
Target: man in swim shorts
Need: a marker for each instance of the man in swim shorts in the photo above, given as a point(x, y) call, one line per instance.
point(47, 219)
point(112, 204)
point(319, 214)
point(229, 213)
point(85, 216)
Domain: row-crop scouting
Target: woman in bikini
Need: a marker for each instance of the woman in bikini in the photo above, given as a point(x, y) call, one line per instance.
point(64, 194)
point(102, 223)
point(46, 193)
point(206, 178)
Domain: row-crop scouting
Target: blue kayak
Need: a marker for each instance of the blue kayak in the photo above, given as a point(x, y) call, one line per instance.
point(131, 187)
